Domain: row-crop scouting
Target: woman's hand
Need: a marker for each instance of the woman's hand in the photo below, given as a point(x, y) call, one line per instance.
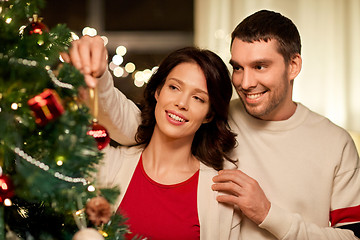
point(89, 56)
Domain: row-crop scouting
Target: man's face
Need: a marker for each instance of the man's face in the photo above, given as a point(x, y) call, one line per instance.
point(262, 80)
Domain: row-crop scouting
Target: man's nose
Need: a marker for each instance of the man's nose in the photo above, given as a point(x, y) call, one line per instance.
point(248, 81)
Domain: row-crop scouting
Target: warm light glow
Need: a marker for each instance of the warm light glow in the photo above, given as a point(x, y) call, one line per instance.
point(147, 75)
point(118, 71)
point(121, 50)
point(60, 159)
point(21, 29)
point(112, 66)
point(74, 36)
point(8, 20)
point(23, 212)
point(105, 39)
point(40, 42)
point(91, 188)
point(138, 83)
point(154, 69)
point(3, 185)
point(103, 233)
point(89, 31)
point(117, 59)
point(130, 67)
point(78, 212)
point(7, 202)
point(14, 106)
point(139, 76)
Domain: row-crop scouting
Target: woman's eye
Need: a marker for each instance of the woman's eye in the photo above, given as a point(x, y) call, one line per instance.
point(172, 87)
point(199, 99)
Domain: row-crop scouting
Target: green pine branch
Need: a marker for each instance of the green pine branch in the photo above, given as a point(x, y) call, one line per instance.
point(46, 193)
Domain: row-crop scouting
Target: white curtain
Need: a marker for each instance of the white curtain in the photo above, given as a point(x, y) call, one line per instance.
point(329, 82)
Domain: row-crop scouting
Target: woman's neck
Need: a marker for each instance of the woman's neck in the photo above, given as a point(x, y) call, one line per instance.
point(169, 161)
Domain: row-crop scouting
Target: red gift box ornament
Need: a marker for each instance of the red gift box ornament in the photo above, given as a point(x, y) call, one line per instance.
point(99, 133)
point(46, 106)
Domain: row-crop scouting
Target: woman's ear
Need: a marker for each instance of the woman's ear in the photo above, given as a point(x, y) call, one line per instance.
point(157, 92)
point(209, 117)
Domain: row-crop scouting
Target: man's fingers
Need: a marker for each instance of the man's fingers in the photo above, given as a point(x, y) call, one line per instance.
point(236, 176)
point(227, 187)
point(228, 199)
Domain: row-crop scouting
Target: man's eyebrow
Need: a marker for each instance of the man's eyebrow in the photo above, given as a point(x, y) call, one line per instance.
point(262, 61)
point(255, 62)
point(233, 63)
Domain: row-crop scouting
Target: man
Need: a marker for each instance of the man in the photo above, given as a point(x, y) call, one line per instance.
point(306, 168)
point(297, 171)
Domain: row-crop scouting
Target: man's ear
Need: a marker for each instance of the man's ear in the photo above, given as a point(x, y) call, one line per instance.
point(295, 65)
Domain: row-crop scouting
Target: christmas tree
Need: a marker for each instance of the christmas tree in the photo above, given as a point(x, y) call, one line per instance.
point(47, 156)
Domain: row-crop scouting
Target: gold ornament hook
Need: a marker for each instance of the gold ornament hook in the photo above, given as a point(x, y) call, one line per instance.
point(93, 93)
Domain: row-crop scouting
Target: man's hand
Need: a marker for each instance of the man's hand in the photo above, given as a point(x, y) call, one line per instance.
point(241, 190)
point(89, 55)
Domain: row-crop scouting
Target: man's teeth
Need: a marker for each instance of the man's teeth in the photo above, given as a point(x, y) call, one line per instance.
point(175, 117)
point(253, 96)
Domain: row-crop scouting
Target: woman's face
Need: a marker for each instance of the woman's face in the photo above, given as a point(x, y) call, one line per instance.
point(182, 103)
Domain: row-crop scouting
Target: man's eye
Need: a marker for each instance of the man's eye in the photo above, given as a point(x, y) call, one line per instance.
point(235, 67)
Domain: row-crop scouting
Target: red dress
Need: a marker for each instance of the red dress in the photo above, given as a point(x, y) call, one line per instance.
point(158, 211)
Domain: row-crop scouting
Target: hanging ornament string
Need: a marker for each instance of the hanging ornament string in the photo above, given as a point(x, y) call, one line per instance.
point(99, 133)
point(93, 93)
point(46, 168)
point(33, 63)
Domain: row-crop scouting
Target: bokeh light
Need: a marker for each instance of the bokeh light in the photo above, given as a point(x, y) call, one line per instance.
point(130, 67)
point(118, 71)
point(121, 50)
point(117, 59)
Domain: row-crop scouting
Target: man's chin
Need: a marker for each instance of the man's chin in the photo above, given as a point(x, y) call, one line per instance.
point(254, 111)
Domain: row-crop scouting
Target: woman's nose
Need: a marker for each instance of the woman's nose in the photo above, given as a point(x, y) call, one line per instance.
point(182, 102)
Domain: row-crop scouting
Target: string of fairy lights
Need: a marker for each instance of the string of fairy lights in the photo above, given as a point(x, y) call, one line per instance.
point(119, 69)
point(24, 155)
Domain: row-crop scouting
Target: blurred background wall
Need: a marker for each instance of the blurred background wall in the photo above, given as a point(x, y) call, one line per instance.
point(329, 82)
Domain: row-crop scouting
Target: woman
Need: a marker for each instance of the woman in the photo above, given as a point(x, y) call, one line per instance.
point(183, 139)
